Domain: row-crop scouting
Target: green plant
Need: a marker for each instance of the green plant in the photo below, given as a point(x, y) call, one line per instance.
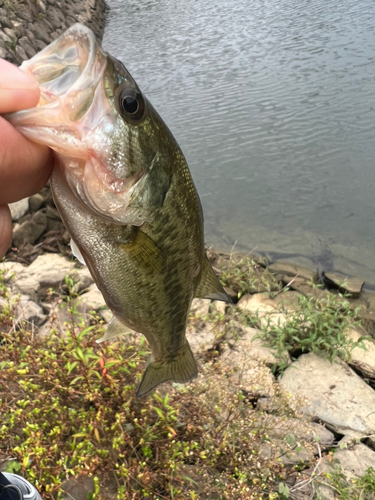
point(314, 325)
point(244, 276)
point(357, 488)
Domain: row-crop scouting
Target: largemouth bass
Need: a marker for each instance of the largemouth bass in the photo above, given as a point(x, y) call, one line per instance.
point(126, 196)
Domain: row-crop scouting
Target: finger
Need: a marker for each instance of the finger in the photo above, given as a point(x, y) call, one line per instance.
point(5, 230)
point(25, 166)
point(18, 90)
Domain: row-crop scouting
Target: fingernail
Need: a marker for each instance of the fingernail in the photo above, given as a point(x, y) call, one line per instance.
point(12, 77)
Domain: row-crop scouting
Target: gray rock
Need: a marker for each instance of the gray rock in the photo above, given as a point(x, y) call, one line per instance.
point(48, 270)
point(344, 283)
point(334, 393)
point(35, 202)
point(30, 230)
point(286, 455)
point(18, 209)
point(29, 312)
point(25, 13)
point(353, 463)
point(363, 360)
point(82, 279)
point(78, 488)
point(292, 270)
point(54, 222)
point(11, 270)
point(93, 299)
point(27, 47)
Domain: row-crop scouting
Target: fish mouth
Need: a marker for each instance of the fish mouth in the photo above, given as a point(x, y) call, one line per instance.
point(69, 71)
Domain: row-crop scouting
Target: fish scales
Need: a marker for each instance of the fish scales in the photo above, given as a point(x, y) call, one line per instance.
point(126, 197)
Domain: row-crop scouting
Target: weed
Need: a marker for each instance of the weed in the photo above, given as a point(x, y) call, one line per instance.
point(315, 325)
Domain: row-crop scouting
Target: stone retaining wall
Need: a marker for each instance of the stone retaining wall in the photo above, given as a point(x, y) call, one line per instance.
point(27, 26)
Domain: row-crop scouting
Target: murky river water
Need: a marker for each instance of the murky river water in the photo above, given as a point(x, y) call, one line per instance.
point(272, 102)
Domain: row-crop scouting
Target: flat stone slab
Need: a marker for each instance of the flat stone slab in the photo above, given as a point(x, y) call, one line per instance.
point(292, 270)
point(344, 283)
point(334, 392)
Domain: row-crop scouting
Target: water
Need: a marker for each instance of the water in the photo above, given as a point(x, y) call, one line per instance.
point(272, 102)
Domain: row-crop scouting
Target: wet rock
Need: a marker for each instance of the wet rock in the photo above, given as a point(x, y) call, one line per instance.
point(334, 392)
point(344, 283)
point(19, 209)
point(363, 360)
point(292, 270)
point(30, 230)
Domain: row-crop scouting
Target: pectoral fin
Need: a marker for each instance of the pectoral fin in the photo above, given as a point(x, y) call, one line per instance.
point(144, 251)
point(209, 287)
point(76, 252)
point(181, 369)
point(115, 328)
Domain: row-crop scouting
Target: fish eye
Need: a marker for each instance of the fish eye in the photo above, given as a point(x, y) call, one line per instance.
point(131, 104)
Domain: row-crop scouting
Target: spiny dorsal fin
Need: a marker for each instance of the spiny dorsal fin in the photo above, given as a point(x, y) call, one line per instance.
point(181, 369)
point(209, 286)
point(115, 328)
point(144, 251)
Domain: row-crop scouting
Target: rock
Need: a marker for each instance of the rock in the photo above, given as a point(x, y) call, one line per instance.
point(334, 393)
point(321, 434)
point(93, 299)
point(200, 340)
point(353, 463)
point(247, 348)
point(200, 307)
point(362, 360)
point(288, 457)
point(78, 488)
point(345, 284)
point(219, 306)
point(11, 270)
point(47, 271)
point(35, 202)
point(292, 270)
point(248, 374)
point(82, 279)
point(29, 312)
point(231, 293)
point(30, 230)
point(18, 209)
point(265, 307)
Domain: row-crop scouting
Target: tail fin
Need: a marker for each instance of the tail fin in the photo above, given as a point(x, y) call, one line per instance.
point(181, 369)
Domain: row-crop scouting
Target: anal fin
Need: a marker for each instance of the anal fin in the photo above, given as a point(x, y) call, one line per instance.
point(181, 369)
point(115, 328)
point(209, 286)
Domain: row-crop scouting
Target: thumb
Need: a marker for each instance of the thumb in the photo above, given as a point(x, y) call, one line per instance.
point(18, 90)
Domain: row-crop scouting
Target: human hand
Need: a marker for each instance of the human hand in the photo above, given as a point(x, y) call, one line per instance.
point(24, 165)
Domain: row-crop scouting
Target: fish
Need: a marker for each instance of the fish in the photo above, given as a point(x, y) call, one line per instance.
point(126, 196)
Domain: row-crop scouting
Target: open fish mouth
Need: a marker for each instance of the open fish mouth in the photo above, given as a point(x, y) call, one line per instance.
point(69, 72)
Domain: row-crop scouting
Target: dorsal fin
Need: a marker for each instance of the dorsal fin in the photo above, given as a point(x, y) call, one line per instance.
point(209, 286)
